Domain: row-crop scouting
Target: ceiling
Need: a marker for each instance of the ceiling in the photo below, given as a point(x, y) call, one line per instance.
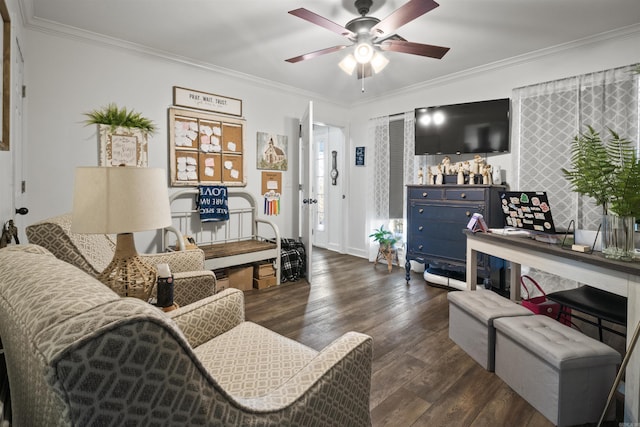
point(254, 37)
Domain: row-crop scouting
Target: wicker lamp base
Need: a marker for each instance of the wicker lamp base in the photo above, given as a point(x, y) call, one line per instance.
point(127, 274)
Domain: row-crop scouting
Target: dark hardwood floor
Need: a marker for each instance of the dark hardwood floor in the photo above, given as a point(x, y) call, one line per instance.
point(420, 377)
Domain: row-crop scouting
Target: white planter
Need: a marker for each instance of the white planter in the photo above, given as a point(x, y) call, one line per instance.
point(122, 146)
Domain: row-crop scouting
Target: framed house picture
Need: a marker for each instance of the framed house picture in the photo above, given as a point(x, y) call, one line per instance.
point(272, 151)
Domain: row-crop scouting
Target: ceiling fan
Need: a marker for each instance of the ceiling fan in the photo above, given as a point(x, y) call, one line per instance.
point(370, 34)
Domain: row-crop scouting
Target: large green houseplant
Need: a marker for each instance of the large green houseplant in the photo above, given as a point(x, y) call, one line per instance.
point(609, 172)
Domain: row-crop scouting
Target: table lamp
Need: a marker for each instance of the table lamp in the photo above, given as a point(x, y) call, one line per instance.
point(122, 200)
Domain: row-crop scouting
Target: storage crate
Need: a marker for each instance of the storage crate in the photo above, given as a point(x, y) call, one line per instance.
point(263, 270)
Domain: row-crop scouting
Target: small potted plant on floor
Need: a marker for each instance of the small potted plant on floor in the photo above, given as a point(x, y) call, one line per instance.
point(386, 242)
point(122, 134)
point(384, 238)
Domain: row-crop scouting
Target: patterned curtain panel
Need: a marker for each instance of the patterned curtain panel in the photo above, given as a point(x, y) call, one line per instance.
point(547, 116)
point(379, 134)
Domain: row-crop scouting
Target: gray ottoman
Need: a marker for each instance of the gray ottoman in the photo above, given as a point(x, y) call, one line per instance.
point(471, 315)
point(561, 372)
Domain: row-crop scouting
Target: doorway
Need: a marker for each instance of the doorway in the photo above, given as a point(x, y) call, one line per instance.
point(329, 178)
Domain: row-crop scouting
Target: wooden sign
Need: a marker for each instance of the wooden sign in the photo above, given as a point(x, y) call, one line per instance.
point(206, 101)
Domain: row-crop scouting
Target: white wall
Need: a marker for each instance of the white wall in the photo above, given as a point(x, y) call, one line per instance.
point(67, 77)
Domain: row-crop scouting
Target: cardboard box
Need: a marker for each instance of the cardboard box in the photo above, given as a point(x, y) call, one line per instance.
point(261, 271)
point(241, 277)
point(264, 283)
point(222, 280)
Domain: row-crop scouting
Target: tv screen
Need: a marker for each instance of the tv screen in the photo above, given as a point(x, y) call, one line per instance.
point(472, 127)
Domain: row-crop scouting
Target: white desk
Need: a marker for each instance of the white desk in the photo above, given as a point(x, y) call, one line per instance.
point(622, 278)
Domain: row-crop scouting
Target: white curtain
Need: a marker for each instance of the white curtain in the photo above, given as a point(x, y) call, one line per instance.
point(379, 130)
point(545, 119)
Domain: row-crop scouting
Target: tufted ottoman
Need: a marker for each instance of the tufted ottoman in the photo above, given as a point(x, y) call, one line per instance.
point(471, 315)
point(561, 372)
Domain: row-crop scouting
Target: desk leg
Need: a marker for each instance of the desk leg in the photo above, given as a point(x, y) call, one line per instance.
point(472, 269)
point(514, 281)
point(632, 374)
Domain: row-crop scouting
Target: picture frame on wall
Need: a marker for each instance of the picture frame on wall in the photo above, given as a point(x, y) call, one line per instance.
point(360, 156)
point(271, 151)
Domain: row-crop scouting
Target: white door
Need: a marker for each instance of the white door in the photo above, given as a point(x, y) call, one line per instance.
point(329, 176)
point(306, 185)
point(320, 185)
point(17, 143)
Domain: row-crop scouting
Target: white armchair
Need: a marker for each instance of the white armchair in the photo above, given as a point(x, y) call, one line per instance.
point(93, 252)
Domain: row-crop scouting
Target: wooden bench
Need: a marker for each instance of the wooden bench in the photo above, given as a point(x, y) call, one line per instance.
point(243, 239)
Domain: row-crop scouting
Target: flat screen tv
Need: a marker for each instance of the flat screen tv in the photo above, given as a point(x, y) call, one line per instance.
point(472, 127)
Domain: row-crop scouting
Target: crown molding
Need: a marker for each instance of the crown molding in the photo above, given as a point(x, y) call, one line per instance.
point(74, 33)
point(620, 33)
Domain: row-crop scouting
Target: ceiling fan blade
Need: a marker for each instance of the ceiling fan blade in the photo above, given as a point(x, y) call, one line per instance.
point(364, 70)
point(311, 55)
point(314, 18)
point(406, 13)
point(414, 48)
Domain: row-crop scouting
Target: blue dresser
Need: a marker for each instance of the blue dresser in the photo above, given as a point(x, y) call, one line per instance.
point(436, 216)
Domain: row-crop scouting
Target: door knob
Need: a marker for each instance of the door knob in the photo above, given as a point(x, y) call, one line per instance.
point(22, 211)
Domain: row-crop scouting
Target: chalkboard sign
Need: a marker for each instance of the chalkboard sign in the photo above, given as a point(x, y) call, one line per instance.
point(359, 156)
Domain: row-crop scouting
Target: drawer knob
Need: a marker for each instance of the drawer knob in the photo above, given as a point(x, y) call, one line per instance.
point(463, 196)
point(424, 194)
point(420, 210)
point(420, 228)
point(467, 213)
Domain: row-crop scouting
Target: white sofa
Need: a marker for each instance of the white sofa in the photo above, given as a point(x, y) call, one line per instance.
point(78, 354)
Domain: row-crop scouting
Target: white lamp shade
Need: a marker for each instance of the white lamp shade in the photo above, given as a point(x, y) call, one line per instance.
point(378, 62)
point(348, 64)
point(111, 200)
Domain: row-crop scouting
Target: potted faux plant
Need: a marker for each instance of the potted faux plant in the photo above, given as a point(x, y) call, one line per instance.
point(385, 239)
point(609, 172)
point(122, 134)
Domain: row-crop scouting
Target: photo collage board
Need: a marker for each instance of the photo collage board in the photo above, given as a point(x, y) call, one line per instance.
point(206, 148)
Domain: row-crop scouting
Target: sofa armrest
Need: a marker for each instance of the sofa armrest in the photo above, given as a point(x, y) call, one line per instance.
point(180, 261)
point(347, 360)
point(193, 286)
point(204, 320)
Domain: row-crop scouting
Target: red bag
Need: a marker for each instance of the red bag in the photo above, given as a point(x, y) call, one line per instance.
point(542, 305)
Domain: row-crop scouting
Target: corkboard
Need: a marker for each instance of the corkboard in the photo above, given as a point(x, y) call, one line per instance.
point(270, 180)
point(205, 148)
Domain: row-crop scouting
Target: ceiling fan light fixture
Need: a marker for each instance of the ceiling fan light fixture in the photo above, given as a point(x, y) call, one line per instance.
point(363, 53)
point(348, 64)
point(378, 62)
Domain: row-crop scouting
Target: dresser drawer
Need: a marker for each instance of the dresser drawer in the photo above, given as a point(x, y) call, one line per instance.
point(426, 193)
point(474, 194)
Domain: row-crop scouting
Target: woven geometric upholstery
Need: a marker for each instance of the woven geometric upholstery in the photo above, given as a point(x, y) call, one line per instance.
point(77, 354)
point(93, 252)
